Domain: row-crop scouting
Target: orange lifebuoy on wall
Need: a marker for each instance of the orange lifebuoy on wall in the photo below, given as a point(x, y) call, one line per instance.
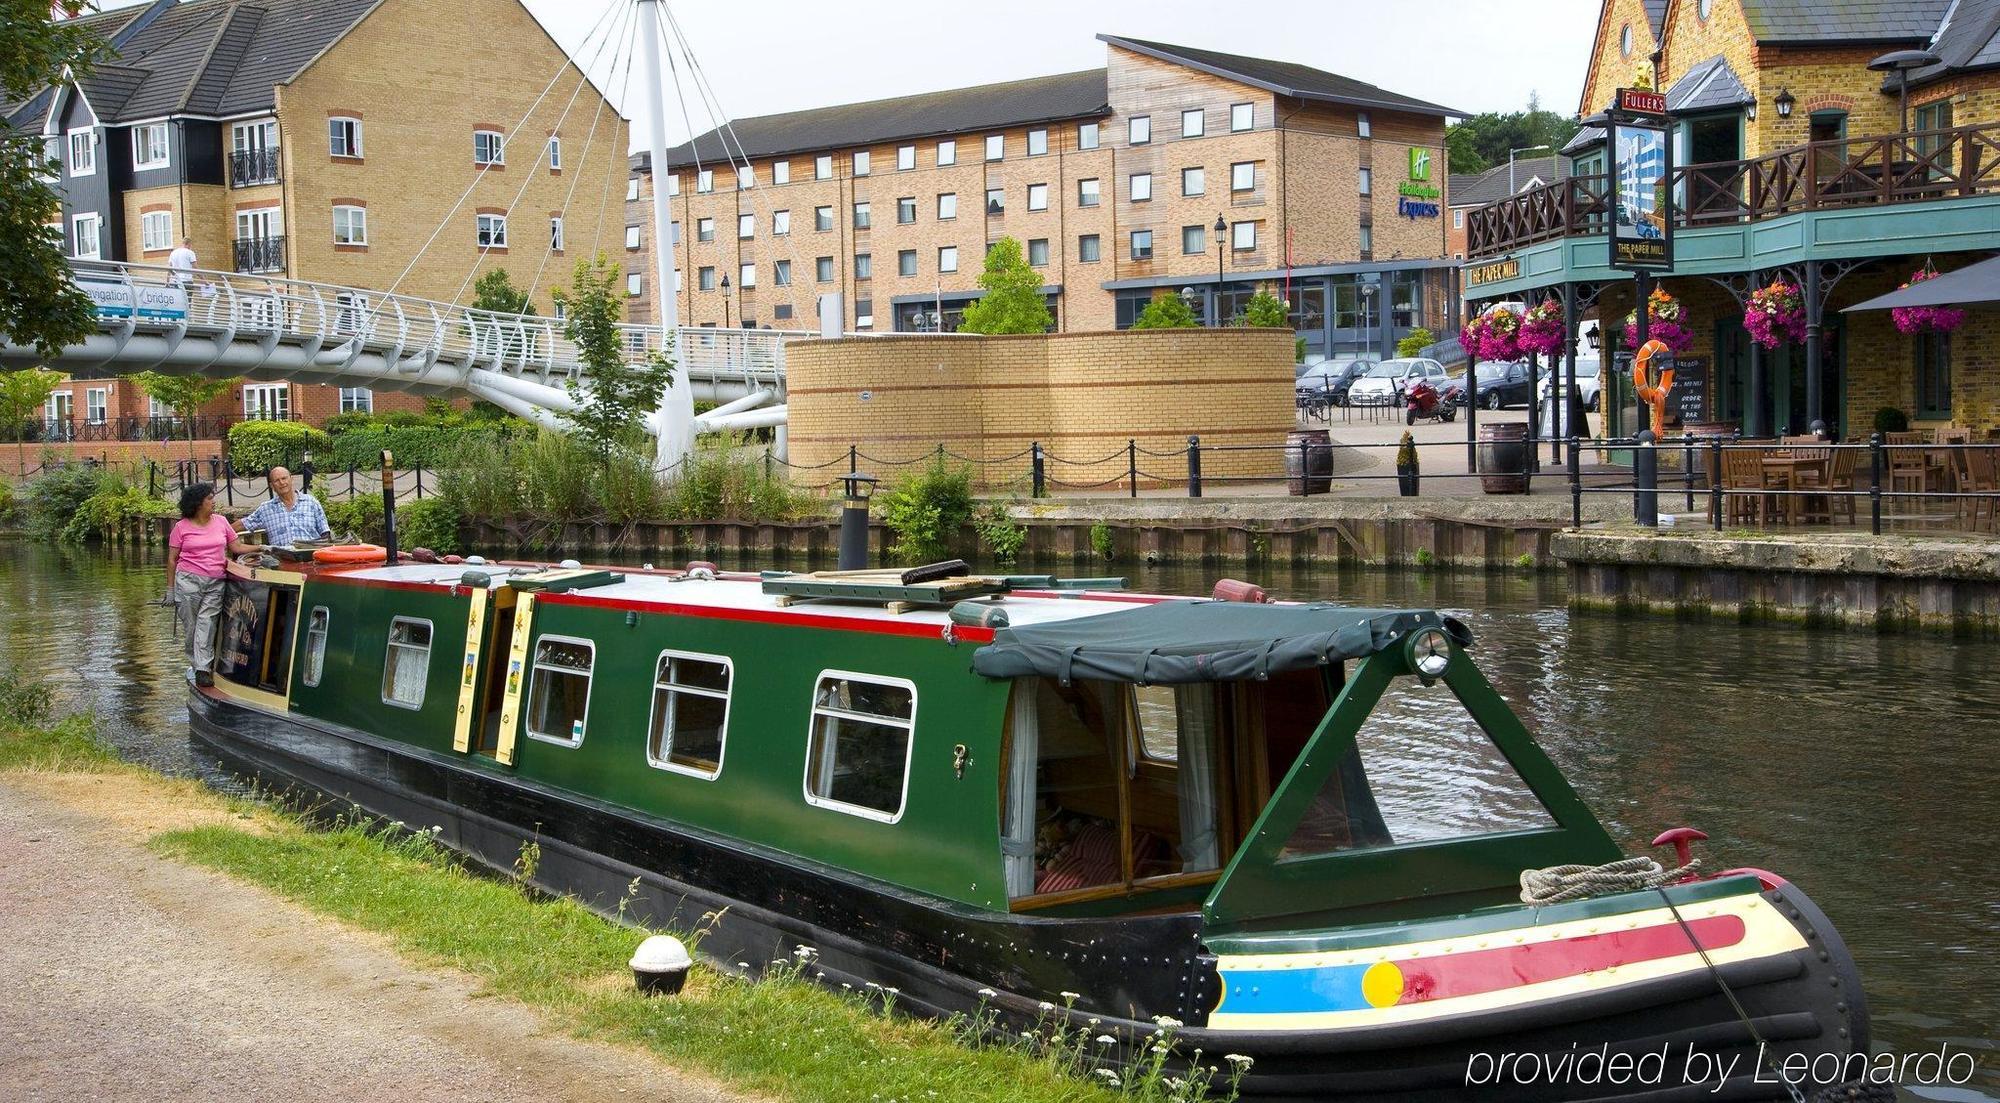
point(352, 553)
point(1653, 392)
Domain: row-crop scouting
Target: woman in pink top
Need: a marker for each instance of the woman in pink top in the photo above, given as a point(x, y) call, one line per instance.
point(199, 545)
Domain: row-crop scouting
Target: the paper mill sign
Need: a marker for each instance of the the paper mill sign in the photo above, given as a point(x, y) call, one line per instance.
point(1492, 271)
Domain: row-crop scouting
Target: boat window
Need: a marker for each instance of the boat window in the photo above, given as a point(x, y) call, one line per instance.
point(406, 667)
point(559, 692)
point(315, 645)
point(1158, 722)
point(690, 713)
point(1422, 770)
point(858, 760)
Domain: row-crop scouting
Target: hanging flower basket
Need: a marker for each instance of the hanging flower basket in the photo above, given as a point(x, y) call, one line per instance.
point(1542, 328)
point(1926, 319)
point(1776, 314)
point(1494, 335)
point(1666, 323)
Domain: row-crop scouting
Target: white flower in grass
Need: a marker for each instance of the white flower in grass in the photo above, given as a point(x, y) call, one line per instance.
point(871, 984)
point(1071, 996)
point(1110, 1077)
point(1093, 1021)
point(987, 993)
point(1167, 1021)
point(743, 965)
point(1046, 1006)
point(1241, 1062)
point(1106, 1040)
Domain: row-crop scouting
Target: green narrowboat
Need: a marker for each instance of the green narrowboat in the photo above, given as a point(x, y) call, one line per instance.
point(1297, 829)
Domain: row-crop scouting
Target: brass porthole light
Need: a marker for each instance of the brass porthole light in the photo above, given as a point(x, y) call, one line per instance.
point(1429, 654)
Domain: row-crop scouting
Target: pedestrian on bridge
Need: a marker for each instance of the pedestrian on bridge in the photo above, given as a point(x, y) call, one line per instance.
point(181, 263)
point(290, 516)
point(197, 550)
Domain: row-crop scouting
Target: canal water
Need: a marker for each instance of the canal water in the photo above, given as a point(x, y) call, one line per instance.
point(1859, 766)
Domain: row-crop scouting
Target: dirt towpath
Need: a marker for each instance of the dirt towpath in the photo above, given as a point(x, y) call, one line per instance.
point(126, 976)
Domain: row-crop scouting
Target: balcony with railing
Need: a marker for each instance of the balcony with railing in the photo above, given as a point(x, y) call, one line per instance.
point(250, 167)
point(260, 254)
point(1881, 171)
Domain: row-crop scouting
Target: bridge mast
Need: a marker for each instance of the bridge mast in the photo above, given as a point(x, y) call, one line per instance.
point(675, 417)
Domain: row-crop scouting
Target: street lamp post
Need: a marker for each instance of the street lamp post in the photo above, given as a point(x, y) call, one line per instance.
point(1511, 189)
point(1368, 318)
point(725, 301)
point(1221, 229)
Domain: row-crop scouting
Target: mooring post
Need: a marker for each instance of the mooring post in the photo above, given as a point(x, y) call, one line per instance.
point(1575, 481)
point(1194, 467)
point(1875, 483)
point(1646, 477)
point(854, 522)
point(1132, 465)
point(389, 505)
point(1037, 470)
point(1715, 481)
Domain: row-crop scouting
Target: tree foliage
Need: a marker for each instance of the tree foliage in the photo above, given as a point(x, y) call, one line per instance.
point(1266, 311)
point(495, 291)
point(39, 306)
point(185, 395)
point(1013, 302)
point(22, 393)
point(617, 397)
point(1482, 141)
point(1418, 340)
point(1168, 311)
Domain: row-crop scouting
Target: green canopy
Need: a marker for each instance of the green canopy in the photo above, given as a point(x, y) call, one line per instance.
point(1200, 641)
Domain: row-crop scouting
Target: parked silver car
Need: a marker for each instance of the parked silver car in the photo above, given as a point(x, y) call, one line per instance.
point(1385, 382)
point(1589, 382)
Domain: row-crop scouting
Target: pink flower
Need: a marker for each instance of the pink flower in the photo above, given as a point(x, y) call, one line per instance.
point(1921, 319)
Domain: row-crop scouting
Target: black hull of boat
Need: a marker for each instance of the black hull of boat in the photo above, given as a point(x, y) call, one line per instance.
point(938, 956)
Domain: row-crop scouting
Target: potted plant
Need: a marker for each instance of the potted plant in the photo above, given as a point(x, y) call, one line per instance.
point(1541, 329)
point(1925, 319)
point(1665, 323)
point(1406, 465)
point(1776, 314)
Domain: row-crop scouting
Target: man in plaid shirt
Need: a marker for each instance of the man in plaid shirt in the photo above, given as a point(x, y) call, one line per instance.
point(289, 516)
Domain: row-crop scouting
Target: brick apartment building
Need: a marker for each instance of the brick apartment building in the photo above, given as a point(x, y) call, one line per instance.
point(1327, 189)
point(324, 140)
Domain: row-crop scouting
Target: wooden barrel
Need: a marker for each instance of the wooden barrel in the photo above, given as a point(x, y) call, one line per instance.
point(1503, 457)
point(1308, 462)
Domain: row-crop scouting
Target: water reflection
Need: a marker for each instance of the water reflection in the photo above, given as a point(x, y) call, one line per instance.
point(1857, 765)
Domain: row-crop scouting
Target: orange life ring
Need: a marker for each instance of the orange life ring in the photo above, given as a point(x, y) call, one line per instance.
point(1652, 393)
point(352, 553)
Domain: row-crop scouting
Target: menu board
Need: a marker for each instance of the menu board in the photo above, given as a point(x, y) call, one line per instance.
point(1688, 401)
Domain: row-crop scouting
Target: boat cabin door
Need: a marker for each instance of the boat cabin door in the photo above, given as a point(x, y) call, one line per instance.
point(490, 629)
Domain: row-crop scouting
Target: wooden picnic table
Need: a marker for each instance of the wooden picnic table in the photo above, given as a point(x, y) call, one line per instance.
point(1784, 471)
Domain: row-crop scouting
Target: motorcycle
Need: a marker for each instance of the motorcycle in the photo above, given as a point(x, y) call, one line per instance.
point(1424, 401)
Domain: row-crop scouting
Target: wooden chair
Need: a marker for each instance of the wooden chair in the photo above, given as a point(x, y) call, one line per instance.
point(1904, 456)
point(1838, 483)
point(1946, 462)
point(1742, 484)
point(1979, 473)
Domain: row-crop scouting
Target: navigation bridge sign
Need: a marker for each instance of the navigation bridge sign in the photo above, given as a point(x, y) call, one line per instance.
point(126, 300)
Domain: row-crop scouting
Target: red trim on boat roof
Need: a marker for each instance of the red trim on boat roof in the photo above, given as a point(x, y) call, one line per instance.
point(960, 632)
point(1096, 595)
point(445, 586)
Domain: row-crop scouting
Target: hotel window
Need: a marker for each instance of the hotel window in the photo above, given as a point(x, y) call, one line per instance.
point(781, 172)
point(96, 402)
point(996, 200)
point(822, 218)
point(1140, 130)
point(862, 218)
point(1194, 240)
point(823, 167)
point(947, 205)
point(357, 400)
point(861, 162)
point(906, 210)
point(1089, 248)
point(690, 718)
point(556, 233)
point(1367, 241)
point(781, 273)
point(156, 231)
point(87, 230)
point(406, 663)
point(1932, 361)
point(267, 402)
point(947, 258)
point(1086, 135)
point(350, 225)
point(746, 177)
point(343, 137)
point(1242, 116)
point(1361, 125)
point(635, 285)
point(1038, 197)
point(1194, 182)
point(858, 756)
point(1087, 193)
point(781, 223)
point(634, 236)
point(704, 181)
point(1142, 245)
point(704, 277)
point(632, 188)
point(673, 185)
point(555, 154)
point(1139, 188)
point(559, 691)
point(1367, 182)
point(864, 266)
point(492, 231)
point(315, 646)
point(149, 147)
point(947, 152)
point(82, 152)
point(704, 229)
point(1243, 235)
point(906, 158)
point(746, 227)
point(1458, 219)
point(823, 269)
point(996, 146)
point(1193, 123)
point(1038, 143)
point(906, 262)
point(1038, 251)
point(746, 278)
point(489, 147)
point(1243, 176)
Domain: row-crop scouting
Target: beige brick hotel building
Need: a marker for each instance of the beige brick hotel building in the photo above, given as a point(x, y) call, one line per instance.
point(1327, 190)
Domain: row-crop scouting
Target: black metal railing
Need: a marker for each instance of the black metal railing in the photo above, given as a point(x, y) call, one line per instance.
point(85, 429)
point(260, 254)
point(249, 167)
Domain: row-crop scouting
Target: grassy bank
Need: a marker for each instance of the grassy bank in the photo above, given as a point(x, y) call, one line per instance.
point(782, 1036)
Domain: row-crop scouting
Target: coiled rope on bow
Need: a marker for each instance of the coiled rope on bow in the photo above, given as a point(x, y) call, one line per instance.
point(1559, 884)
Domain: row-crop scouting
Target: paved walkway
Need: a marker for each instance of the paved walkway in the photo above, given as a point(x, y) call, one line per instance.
point(130, 977)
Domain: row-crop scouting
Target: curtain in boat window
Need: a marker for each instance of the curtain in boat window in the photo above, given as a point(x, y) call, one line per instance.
point(1195, 706)
point(1017, 839)
point(407, 664)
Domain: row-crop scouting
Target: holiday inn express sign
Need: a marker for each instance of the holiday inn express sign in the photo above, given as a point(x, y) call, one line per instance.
point(1416, 198)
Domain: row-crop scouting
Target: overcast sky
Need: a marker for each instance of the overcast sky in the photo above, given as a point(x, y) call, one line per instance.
point(767, 56)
